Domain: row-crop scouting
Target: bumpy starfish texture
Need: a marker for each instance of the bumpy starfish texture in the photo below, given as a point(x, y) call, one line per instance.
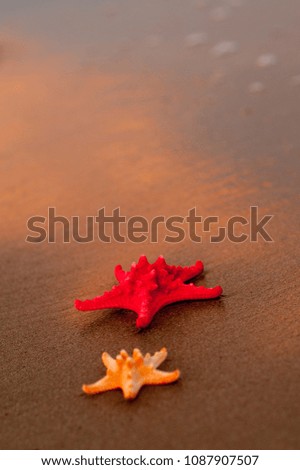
point(131, 373)
point(146, 288)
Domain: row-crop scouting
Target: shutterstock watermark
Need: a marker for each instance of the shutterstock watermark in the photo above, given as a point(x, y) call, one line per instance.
point(138, 229)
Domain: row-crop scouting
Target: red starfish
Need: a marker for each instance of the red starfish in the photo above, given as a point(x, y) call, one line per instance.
point(146, 288)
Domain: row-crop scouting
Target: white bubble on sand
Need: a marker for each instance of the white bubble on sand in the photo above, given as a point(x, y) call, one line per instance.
point(154, 40)
point(220, 13)
point(295, 80)
point(225, 48)
point(266, 60)
point(195, 39)
point(256, 87)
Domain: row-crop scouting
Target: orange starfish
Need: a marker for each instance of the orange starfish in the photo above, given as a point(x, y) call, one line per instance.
point(131, 373)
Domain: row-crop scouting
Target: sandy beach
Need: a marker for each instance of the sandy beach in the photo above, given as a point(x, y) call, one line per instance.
point(154, 107)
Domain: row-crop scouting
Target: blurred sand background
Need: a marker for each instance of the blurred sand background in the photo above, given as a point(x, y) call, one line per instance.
point(156, 107)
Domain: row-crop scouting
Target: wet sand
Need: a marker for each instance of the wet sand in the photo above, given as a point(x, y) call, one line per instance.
point(117, 107)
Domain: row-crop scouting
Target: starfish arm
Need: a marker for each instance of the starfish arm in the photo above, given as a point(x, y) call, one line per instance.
point(144, 313)
point(157, 377)
point(191, 271)
point(131, 389)
point(119, 273)
point(109, 362)
point(192, 292)
point(111, 299)
point(102, 385)
point(158, 357)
